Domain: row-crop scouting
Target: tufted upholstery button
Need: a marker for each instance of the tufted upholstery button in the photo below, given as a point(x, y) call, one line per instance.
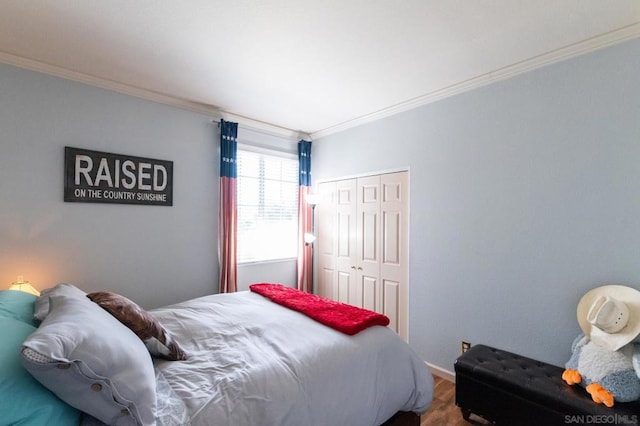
point(96, 387)
point(63, 366)
point(124, 411)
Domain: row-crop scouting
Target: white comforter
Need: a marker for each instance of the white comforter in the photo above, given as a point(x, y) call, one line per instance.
point(253, 362)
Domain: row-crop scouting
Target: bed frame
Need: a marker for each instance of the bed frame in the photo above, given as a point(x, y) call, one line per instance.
point(403, 418)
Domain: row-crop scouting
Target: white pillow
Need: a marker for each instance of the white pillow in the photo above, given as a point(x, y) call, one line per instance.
point(92, 362)
point(41, 308)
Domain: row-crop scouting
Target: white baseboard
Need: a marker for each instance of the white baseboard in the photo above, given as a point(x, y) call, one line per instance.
point(441, 372)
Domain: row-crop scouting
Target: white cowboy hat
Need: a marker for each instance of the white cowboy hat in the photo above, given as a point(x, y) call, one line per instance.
point(610, 315)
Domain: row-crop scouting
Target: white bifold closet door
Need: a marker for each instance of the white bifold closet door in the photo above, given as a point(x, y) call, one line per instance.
point(362, 245)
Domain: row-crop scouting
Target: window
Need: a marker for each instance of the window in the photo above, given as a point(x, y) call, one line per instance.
point(267, 205)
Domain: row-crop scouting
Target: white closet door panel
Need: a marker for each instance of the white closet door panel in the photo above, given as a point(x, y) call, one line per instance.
point(369, 188)
point(326, 285)
point(343, 236)
point(344, 287)
point(391, 240)
point(392, 187)
point(346, 193)
point(391, 303)
point(369, 293)
point(370, 237)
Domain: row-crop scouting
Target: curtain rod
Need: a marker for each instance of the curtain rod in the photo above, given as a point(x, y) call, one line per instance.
point(268, 129)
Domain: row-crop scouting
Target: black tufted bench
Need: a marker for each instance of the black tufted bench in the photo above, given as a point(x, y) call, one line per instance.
point(512, 390)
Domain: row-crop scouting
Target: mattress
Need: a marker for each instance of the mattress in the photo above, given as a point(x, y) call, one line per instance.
point(253, 362)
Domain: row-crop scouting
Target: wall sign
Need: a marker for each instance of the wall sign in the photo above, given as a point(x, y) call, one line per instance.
point(102, 177)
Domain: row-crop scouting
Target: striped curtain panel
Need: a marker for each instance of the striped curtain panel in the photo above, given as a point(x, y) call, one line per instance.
point(228, 219)
point(305, 219)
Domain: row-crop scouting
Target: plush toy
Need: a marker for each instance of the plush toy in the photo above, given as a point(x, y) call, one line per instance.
point(605, 359)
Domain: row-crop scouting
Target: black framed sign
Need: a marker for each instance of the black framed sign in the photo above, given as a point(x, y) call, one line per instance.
point(103, 177)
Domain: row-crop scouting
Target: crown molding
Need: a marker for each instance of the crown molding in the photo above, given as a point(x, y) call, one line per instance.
point(567, 52)
point(103, 83)
point(587, 46)
point(148, 95)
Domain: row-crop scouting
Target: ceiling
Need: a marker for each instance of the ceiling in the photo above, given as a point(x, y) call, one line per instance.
point(315, 66)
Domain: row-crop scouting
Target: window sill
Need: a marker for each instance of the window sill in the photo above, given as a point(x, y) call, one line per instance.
point(263, 262)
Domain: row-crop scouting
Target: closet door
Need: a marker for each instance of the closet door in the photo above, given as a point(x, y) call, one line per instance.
point(336, 246)
point(362, 244)
point(345, 288)
point(394, 256)
point(367, 293)
point(325, 245)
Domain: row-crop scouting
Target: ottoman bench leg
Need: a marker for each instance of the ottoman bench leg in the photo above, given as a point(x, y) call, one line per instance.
point(465, 413)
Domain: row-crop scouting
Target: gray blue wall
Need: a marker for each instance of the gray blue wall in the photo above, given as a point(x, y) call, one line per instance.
point(524, 195)
point(154, 255)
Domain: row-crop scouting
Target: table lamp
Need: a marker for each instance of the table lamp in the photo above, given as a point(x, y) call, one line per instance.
point(21, 285)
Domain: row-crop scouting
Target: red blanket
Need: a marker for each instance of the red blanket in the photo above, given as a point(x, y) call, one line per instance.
point(339, 316)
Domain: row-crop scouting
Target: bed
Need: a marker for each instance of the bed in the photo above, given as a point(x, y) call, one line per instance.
point(249, 361)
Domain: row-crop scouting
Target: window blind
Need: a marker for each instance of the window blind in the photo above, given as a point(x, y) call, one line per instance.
point(267, 206)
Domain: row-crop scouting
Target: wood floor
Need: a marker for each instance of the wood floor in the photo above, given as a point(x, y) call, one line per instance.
point(443, 410)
